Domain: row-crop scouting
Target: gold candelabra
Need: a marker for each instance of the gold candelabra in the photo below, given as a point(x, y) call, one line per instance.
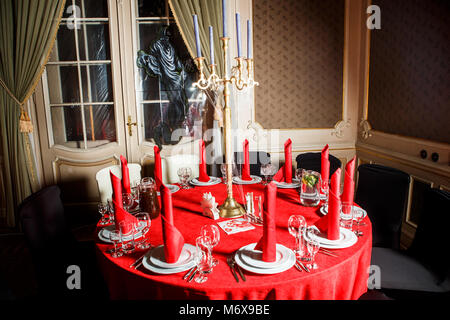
point(230, 207)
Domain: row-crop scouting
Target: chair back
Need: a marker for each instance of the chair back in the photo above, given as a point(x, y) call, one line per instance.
point(429, 245)
point(104, 179)
point(312, 161)
point(171, 164)
point(383, 192)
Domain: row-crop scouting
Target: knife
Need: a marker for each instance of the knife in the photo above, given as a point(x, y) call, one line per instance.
point(303, 266)
point(298, 268)
point(189, 272)
point(230, 264)
point(192, 275)
point(241, 273)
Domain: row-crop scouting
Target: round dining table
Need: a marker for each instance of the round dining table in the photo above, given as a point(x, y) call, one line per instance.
point(340, 277)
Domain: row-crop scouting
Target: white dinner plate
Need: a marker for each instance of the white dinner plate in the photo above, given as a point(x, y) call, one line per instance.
point(281, 268)
point(255, 179)
point(324, 210)
point(173, 187)
point(283, 185)
point(147, 263)
point(158, 259)
point(212, 181)
point(104, 233)
point(254, 257)
point(347, 239)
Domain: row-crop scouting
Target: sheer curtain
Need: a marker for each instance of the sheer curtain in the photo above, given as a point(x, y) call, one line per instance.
point(27, 33)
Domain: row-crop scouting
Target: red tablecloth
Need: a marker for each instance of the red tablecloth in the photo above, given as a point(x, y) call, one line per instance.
point(338, 278)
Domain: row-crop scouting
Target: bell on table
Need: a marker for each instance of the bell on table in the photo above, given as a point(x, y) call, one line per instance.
point(310, 188)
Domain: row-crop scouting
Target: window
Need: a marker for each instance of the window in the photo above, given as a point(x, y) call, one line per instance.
point(79, 81)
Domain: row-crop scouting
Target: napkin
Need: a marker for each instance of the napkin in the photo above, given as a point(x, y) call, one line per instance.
point(330, 222)
point(121, 215)
point(116, 184)
point(125, 174)
point(203, 175)
point(349, 184)
point(173, 239)
point(279, 176)
point(246, 167)
point(288, 161)
point(325, 165)
point(268, 242)
point(158, 168)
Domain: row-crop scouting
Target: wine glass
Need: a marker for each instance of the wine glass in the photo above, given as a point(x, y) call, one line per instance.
point(202, 258)
point(116, 237)
point(267, 170)
point(143, 225)
point(358, 215)
point(296, 226)
point(211, 231)
point(223, 169)
point(127, 200)
point(185, 175)
point(103, 209)
point(111, 211)
point(312, 247)
point(298, 173)
point(128, 234)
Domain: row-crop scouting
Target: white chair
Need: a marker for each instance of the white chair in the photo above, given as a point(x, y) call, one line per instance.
point(104, 179)
point(171, 164)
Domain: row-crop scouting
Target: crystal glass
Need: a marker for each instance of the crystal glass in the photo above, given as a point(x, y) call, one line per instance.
point(116, 237)
point(346, 218)
point(185, 175)
point(358, 215)
point(324, 191)
point(143, 226)
point(223, 169)
point(211, 231)
point(203, 258)
point(103, 210)
point(111, 211)
point(310, 188)
point(127, 200)
point(296, 227)
point(312, 247)
point(298, 173)
point(267, 170)
point(128, 234)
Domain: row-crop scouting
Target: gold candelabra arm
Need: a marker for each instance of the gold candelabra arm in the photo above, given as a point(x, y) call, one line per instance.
point(250, 80)
point(237, 72)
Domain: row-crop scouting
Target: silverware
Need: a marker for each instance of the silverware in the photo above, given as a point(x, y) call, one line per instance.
point(189, 272)
point(328, 253)
point(298, 268)
point(137, 263)
point(303, 266)
point(192, 275)
point(238, 268)
point(230, 263)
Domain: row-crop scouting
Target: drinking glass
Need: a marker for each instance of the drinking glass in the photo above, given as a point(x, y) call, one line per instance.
point(185, 175)
point(211, 231)
point(298, 173)
point(103, 209)
point(223, 169)
point(310, 188)
point(267, 170)
point(296, 227)
point(312, 247)
point(127, 200)
point(128, 233)
point(116, 238)
point(202, 258)
point(111, 211)
point(143, 226)
point(358, 216)
point(324, 190)
point(346, 218)
point(135, 191)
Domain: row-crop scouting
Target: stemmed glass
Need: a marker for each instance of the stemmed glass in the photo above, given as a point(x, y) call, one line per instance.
point(296, 226)
point(202, 258)
point(127, 200)
point(103, 209)
point(358, 216)
point(298, 173)
point(267, 170)
point(312, 247)
point(143, 225)
point(111, 211)
point(211, 231)
point(128, 234)
point(116, 237)
point(185, 175)
point(223, 169)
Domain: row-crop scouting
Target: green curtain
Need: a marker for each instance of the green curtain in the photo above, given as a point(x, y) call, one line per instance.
point(209, 13)
point(27, 33)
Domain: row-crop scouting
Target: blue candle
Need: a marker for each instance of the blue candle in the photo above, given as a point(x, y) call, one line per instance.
point(238, 33)
point(224, 17)
point(211, 44)
point(249, 39)
point(197, 36)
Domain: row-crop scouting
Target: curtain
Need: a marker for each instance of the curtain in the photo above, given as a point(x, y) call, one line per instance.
point(209, 13)
point(27, 32)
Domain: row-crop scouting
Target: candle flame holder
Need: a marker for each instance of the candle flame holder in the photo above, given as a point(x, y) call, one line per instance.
point(230, 207)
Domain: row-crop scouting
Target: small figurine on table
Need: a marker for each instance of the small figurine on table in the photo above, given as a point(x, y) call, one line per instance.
point(209, 206)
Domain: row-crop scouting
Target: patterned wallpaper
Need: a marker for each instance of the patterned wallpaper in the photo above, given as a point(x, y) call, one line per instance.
point(298, 51)
point(409, 79)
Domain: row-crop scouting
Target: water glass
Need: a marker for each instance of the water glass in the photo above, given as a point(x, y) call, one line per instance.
point(203, 258)
point(358, 215)
point(267, 170)
point(103, 210)
point(346, 218)
point(223, 169)
point(185, 175)
point(296, 227)
point(128, 233)
point(312, 247)
point(143, 226)
point(127, 201)
point(310, 188)
point(116, 238)
point(111, 211)
point(211, 231)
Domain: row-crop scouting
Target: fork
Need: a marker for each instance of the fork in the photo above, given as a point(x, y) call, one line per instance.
point(231, 265)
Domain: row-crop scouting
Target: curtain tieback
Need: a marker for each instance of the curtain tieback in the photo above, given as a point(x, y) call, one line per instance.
point(25, 125)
